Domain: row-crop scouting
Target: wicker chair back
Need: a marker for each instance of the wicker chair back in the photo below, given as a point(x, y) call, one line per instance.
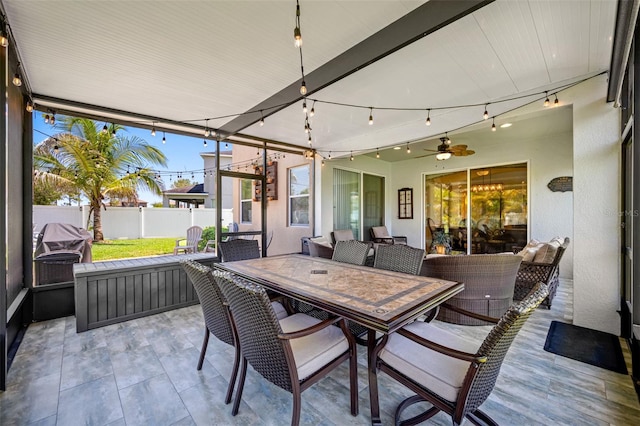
point(399, 258)
point(489, 281)
point(258, 329)
point(216, 317)
point(353, 252)
point(239, 249)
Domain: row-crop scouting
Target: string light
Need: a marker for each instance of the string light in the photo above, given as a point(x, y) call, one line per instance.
point(377, 153)
point(29, 106)
point(207, 132)
point(493, 126)
point(113, 130)
point(546, 101)
point(297, 34)
point(428, 121)
point(408, 149)
point(313, 109)
point(52, 119)
point(304, 106)
point(303, 88)
point(261, 119)
point(46, 119)
point(56, 148)
point(153, 129)
point(4, 37)
point(323, 162)
point(164, 139)
point(329, 155)
point(17, 80)
point(486, 113)
point(370, 116)
point(204, 142)
point(105, 129)
point(556, 102)
point(351, 157)
point(446, 138)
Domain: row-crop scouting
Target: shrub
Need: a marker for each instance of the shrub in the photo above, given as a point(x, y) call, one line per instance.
point(209, 233)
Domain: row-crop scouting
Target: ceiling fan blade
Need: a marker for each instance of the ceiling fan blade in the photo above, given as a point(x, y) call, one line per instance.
point(458, 148)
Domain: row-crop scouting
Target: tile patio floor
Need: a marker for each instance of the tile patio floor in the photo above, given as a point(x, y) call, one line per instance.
point(143, 372)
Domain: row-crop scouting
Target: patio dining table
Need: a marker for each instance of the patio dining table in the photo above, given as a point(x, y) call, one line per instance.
point(383, 301)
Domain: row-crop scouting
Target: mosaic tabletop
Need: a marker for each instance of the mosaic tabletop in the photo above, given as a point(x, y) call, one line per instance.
point(379, 299)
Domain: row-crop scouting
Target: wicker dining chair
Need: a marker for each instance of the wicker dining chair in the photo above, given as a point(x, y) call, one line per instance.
point(353, 252)
point(293, 353)
point(216, 313)
point(399, 258)
point(239, 249)
point(445, 369)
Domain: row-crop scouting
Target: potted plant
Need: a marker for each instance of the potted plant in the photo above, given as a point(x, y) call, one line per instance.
point(441, 242)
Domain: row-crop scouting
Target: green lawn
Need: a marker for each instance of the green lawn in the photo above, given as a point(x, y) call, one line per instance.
point(122, 249)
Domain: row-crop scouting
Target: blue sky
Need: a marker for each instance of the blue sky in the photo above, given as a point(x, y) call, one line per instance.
point(182, 152)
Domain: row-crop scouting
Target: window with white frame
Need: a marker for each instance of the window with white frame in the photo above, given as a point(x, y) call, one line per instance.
point(246, 200)
point(299, 196)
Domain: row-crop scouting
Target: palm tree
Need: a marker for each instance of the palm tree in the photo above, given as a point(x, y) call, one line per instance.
point(98, 162)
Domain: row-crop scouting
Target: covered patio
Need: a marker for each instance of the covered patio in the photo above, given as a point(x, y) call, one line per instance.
point(380, 87)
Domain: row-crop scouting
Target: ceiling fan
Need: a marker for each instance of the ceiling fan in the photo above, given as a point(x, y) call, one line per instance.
point(445, 150)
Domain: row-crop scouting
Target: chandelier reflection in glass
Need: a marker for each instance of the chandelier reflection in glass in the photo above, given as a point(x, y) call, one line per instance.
point(486, 187)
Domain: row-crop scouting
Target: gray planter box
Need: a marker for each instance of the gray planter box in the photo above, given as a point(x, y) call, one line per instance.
point(116, 291)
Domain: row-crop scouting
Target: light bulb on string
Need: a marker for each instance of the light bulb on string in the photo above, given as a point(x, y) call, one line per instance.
point(303, 88)
point(261, 119)
point(105, 129)
point(556, 102)
point(428, 120)
point(4, 37)
point(377, 153)
point(29, 106)
point(164, 138)
point(486, 113)
point(370, 116)
point(17, 81)
point(313, 109)
point(207, 132)
point(204, 142)
point(304, 106)
point(493, 125)
point(113, 130)
point(153, 129)
point(446, 138)
point(329, 157)
point(56, 148)
point(323, 162)
point(546, 101)
point(351, 157)
point(52, 120)
point(297, 34)
point(46, 119)
point(408, 149)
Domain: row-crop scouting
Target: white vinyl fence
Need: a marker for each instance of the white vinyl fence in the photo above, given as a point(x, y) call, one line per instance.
point(132, 222)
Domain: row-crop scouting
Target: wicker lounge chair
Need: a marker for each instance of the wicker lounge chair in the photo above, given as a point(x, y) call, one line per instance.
point(399, 258)
point(380, 234)
point(320, 250)
point(532, 272)
point(293, 353)
point(239, 249)
point(489, 280)
point(447, 371)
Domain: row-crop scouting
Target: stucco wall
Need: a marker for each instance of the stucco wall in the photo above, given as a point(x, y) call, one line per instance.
point(286, 238)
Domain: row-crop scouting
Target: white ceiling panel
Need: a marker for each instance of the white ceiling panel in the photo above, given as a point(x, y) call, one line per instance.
point(190, 60)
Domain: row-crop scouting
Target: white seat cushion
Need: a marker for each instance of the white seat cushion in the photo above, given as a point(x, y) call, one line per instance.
point(280, 311)
point(313, 352)
point(323, 241)
point(440, 373)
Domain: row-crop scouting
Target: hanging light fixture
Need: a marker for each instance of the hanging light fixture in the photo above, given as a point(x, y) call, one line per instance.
point(446, 138)
point(113, 130)
point(486, 113)
point(4, 35)
point(204, 142)
point(261, 119)
point(493, 126)
point(17, 81)
point(52, 119)
point(484, 187)
point(56, 148)
point(164, 139)
point(370, 116)
point(441, 156)
point(304, 106)
point(351, 157)
point(377, 153)
point(207, 132)
point(408, 149)
point(105, 129)
point(428, 120)
point(29, 106)
point(546, 101)
point(46, 119)
point(303, 88)
point(297, 34)
point(313, 109)
point(153, 129)
point(556, 102)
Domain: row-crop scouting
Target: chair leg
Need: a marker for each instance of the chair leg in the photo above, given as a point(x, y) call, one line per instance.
point(234, 375)
point(243, 375)
point(481, 418)
point(416, 419)
point(203, 351)
point(373, 377)
point(297, 403)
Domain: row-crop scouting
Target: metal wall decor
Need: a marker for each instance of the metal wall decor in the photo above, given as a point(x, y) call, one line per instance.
point(405, 203)
point(561, 184)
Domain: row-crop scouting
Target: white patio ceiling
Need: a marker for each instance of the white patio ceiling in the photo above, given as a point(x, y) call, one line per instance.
point(189, 60)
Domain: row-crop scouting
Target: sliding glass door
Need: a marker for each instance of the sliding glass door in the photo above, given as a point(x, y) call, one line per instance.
point(481, 210)
point(358, 202)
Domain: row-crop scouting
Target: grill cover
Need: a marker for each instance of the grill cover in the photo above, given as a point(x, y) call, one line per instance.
point(63, 236)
